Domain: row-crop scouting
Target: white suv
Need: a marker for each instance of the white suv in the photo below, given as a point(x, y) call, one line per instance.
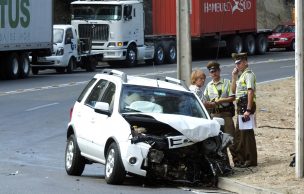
point(154, 128)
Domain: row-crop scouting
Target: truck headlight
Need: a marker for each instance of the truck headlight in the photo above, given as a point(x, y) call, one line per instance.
point(60, 51)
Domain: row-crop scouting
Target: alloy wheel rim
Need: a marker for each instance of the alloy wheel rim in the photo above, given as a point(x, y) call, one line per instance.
point(110, 163)
point(69, 154)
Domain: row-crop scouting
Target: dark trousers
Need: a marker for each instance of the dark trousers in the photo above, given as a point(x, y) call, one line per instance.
point(246, 150)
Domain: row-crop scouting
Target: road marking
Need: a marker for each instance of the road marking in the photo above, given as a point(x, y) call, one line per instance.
point(42, 106)
point(19, 91)
point(287, 66)
point(273, 80)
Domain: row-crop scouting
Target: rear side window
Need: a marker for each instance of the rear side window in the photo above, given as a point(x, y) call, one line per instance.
point(84, 91)
point(96, 93)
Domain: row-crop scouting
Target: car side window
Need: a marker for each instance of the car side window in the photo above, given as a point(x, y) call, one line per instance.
point(84, 91)
point(96, 93)
point(108, 95)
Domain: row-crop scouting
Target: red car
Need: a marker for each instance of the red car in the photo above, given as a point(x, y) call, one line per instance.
point(283, 36)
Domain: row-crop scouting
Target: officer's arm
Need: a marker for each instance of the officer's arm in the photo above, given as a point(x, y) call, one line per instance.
point(250, 99)
point(227, 99)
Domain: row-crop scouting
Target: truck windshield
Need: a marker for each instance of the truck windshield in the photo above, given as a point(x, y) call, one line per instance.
point(97, 12)
point(57, 35)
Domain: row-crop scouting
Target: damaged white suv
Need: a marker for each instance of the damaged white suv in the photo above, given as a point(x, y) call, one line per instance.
point(154, 128)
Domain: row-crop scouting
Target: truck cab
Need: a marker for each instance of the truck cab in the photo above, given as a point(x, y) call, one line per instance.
point(115, 28)
point(69, 52)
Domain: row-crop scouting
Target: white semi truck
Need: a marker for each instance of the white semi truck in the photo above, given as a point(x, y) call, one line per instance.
point(25, 29)
point(116, 30)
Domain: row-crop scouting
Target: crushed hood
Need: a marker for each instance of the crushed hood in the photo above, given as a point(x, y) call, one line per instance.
point(195, 129)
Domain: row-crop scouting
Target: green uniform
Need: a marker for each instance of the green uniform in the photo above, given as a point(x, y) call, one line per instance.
point(246, 148)
point(222, 89)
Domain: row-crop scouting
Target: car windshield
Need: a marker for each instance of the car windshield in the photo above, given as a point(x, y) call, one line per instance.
point(97, 12)
point(157, 100)
point(284, 29)
point(57, 35)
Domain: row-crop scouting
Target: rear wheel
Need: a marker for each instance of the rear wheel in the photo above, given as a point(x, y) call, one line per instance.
point(24, 65)
point(12, 66)
point(171, 53)
point(74, 162)
point(91, 64)
point(261, 44)
point(159, 55)
point(114, 169)
point(249, 44)
point(235, 44)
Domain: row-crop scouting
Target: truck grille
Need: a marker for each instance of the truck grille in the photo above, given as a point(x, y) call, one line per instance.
point(97, 32)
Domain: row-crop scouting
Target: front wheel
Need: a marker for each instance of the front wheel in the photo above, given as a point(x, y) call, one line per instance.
point(131, 58)
point(71, 66)
point(114, 169)
point(74, 162)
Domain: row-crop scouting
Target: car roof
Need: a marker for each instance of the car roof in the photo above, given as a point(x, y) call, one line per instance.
point(124, 79)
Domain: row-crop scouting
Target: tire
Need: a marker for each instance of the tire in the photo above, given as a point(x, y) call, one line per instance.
point(261, 44)
point(292, 46)
point(74, 162)
point(159, 55)
point(114, 169)
point(91, 64)
point(249, 44)
point(131, 57)
point(235, 44)
point(24, 65)
point(35, 70)
point(12, 66)
point(171, 53)
point(72, 65)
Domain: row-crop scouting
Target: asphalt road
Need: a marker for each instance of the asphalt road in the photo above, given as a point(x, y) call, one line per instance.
point(33, 118)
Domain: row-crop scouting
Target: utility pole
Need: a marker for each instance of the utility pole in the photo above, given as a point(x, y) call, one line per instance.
point(184, 56)
point(299, 87)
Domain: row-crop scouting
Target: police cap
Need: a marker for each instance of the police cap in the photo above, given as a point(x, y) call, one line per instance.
point(237, 57)
point(213, 65)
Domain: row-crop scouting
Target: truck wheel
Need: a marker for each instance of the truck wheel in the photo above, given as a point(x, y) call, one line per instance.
point(261, 44)
point(159, 56)
point(24, 65)
point(74, 162)
point(114, 169)
point(249, 44)
point(12, 66)
point(171, 53)
point(131, 59)
point(235, 44)
point(71, 66)
point(35, 70)
point(91, 64)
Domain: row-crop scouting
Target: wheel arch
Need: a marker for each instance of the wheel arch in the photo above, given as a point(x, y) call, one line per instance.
point(70, 132)
point(108, 143)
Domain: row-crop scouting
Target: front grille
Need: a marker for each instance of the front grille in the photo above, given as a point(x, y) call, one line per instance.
point(97, 32)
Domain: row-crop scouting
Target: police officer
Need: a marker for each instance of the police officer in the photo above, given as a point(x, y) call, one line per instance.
point(219, 101)
point(244, 84)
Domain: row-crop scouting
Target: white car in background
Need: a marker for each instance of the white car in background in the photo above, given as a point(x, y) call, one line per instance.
point(154, 128)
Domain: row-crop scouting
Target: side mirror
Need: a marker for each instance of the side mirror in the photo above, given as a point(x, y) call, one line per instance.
point(102, 108)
